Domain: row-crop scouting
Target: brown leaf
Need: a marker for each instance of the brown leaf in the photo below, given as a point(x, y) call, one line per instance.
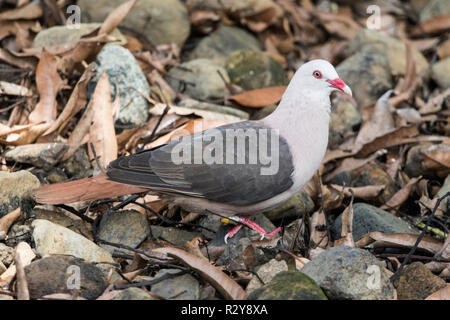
point(116, 16)
point(193, 126)
point(399, 240)
point(397, 137)
point(13, 89)
point(401, 195)
point(438, 24)
point(260, 97)
point(48, 84)
point(102, 133)
point(30, 11)
point(6, 221)
point(76, 102)
point(347, 227)
point(443, 294)
point(317, 226)
point(380, 123)
point(219, 280)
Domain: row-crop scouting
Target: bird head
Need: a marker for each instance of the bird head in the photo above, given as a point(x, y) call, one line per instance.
point(320, 75)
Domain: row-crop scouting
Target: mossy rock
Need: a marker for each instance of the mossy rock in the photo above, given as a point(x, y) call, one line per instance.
point(253, 70)
point(289, 285)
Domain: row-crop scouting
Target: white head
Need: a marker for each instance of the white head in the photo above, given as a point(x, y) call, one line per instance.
point(319, 75)
point(311, 86)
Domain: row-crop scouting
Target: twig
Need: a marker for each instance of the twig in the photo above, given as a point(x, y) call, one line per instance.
point(152, 135)
point(146, 283)
point(419, 238)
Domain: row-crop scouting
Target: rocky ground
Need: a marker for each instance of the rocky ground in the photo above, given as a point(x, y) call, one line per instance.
point(354, 232)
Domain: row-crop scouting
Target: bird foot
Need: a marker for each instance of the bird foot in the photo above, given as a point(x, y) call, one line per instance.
point(252, 225)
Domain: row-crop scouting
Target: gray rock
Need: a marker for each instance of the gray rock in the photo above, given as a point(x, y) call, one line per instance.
point(289, 285)
point(55, 175)
point(16, 191)
point(346, 273)
point(225, 113)
point(184, 287)
point(78, 165)
point(393, 49)
point(434, 8)
point(416, 282)
point(6, 254)
point(212, 222)
point(367, 218)
point(61, 218)
point(18, 233)
point(127, 227)
point(58, 274)
point(133, 294)
point(225, 40)
point(370, 84)
point(298, 204)
point(41, 155)
point(51, 238)
point(440, 72)
point(254, 69)
point(126, 76)
point(58, 35)
point(200, 78)
point(174, 236)
point(266, 272)
point(381, 58)
point(344, 119)
point(163, 22)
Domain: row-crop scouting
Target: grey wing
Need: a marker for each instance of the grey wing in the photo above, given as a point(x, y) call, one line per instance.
point(241, 164)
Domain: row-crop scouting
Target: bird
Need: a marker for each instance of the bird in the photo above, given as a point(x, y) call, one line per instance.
point(237, 170)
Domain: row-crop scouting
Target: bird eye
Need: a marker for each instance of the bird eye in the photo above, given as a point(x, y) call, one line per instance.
point(317, 74)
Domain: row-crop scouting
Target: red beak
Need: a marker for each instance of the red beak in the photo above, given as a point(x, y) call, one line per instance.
point(339, 84)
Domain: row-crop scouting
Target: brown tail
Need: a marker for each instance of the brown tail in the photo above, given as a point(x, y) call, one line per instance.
point(98, 187)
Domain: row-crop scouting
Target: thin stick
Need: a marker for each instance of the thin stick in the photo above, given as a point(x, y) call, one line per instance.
point(419, 238)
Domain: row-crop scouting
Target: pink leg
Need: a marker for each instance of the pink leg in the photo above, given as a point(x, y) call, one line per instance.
point(252, 225)
point(232, 232)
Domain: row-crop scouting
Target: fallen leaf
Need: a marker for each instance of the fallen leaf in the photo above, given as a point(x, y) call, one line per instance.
point(219, 280)
point(193, 126)
point(76, 102)
point(48, 84)
point(347, 227)
point(399, 240)
point(113, 20)
point(14, 89)
point(30, 11)
point(438, 24)
point(443, 294)
point(260, 97)
point(401, 195)
point(102, 133)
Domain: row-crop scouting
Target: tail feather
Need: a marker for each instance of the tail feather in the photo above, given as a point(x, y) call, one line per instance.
point(98, 187)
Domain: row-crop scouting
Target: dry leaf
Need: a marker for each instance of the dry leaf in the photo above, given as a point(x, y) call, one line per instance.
point(219, 280)
point(102, 133)
point(76, 102)
point(48, 84)
point(14, 89)
point(260, 97)
point(438, 24)
point(401, 195)
point(318, 230)
point(193, 126)
point(347, 227)
point(113, 20)
point(399, 240)
point(443, 294)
